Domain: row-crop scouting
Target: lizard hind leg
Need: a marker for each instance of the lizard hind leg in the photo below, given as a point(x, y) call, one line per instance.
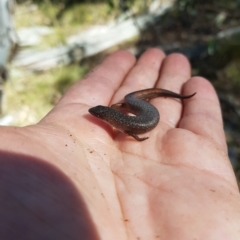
point(136, 136)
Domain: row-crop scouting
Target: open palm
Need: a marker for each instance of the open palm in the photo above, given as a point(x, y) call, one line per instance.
point(178, 184)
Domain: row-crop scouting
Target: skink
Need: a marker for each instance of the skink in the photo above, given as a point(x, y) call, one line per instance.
point(146, 115)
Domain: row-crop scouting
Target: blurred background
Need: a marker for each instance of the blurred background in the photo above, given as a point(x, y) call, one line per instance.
point(50, 44)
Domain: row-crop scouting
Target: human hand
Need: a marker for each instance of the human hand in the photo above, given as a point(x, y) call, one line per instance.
point(99, 183)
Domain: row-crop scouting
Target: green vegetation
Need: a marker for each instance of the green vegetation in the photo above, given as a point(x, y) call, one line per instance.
point(35, 94)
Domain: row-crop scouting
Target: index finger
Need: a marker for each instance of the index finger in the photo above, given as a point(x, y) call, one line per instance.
point(98, 87)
